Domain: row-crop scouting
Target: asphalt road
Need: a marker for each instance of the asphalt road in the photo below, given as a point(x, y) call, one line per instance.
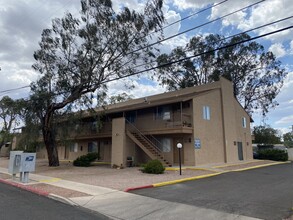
point(16, 203)
point(265, 193)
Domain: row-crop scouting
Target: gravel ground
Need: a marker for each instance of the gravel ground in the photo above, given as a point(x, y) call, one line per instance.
point(104, 175)
point(120, 179)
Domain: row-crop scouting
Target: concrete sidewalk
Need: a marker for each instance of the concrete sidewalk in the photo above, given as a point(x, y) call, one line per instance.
point(121, 205)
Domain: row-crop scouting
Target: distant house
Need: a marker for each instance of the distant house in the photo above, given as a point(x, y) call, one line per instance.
point(208, 121)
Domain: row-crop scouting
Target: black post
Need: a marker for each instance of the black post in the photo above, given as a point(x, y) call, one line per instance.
point(180, 159)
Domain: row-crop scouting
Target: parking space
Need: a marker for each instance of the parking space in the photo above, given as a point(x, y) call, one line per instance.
point(265, 193)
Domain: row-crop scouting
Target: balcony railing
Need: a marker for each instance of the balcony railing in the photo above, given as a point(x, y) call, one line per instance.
point(90, 129)
point(150, 122)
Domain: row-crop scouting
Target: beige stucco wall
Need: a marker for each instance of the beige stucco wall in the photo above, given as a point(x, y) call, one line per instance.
point(243, 134)
point(233, 130)
point(210, 132)
point(118, 142)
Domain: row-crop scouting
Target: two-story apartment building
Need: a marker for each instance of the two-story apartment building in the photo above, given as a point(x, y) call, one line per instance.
point(208, 121)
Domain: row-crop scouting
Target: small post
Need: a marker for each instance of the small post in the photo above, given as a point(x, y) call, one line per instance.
point(179, 146)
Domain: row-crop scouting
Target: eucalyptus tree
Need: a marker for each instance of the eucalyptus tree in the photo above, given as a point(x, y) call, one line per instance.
point(79, 55)
point(256, 74)
point(10, 111)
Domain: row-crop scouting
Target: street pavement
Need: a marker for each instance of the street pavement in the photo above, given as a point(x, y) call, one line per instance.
point(265, 193)
point(17, 203)
point(121, 205)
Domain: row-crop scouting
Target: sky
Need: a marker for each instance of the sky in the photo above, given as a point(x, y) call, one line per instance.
point(22, 21)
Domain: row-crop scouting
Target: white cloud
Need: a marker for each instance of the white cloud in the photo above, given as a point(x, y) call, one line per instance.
point(145, 88)
point(258, 15)
point(278, 49)
point(285, 120)
point(187, 4)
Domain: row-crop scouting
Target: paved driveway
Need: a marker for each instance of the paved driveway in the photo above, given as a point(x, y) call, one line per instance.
point(265, 193)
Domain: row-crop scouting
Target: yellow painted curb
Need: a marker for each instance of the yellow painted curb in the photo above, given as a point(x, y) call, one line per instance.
point(106, 163)
point(52, 180)
point(186, 179)
point(92, 162)
point(235, 164)
point(204, 169)
point(188, 168)
point(259, 166)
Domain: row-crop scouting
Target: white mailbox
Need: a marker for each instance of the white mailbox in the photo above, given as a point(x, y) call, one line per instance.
point(22, 163)
point(28, 162)
point(14, 162)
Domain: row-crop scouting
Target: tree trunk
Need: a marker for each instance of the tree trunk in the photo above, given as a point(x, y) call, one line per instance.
point(49, 140)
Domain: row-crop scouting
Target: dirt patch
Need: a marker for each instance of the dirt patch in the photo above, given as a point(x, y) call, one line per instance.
point(67, 193)
point(5, 176)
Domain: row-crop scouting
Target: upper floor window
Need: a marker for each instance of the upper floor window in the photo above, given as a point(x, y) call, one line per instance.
point(163, 112)
point(244, 122)
point(206, 112)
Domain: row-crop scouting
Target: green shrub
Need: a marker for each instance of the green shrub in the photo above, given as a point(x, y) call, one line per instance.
point(154, 167)
point(93, 156)
point(85, 160)
point(273, 154)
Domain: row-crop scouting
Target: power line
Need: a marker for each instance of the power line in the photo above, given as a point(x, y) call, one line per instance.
point(196, 55)
point(200, 54)
point(231, 36)
point(196, 27)
point(14, 89)
point(192, 56)
point(189, 16)
point(175, 22)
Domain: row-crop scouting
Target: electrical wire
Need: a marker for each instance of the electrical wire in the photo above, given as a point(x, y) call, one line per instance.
point(196, 55)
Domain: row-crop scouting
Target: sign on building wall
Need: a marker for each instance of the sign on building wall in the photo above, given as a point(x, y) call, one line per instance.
point(197, 143)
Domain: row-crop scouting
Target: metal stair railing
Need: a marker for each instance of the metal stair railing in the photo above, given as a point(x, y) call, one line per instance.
point(133, 128)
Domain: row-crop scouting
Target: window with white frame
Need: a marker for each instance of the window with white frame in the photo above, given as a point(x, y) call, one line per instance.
point(244, 122)
point(206, 113)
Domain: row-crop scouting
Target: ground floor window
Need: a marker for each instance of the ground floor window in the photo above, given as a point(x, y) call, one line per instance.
point(73, 147)
point(166, 144)
point(93, 146)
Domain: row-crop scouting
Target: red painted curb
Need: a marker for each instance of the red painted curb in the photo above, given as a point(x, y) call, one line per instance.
point(139, 187)
point(27, 188)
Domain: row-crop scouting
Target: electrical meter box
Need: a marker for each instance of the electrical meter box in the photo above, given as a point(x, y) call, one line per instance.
point(28, 162)
point(15, 162)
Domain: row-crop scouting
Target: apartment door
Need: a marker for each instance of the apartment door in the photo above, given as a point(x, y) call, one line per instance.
point(176, 153)
point(240, 150)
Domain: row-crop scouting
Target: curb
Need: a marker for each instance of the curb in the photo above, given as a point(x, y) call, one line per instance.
point(139, 187)
point(202, 176)
point(25, 187)
point(61, 199)
point(38, 192)
point(259, 166)
point(188, 168)
point(186, 179)
point(235, 164)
